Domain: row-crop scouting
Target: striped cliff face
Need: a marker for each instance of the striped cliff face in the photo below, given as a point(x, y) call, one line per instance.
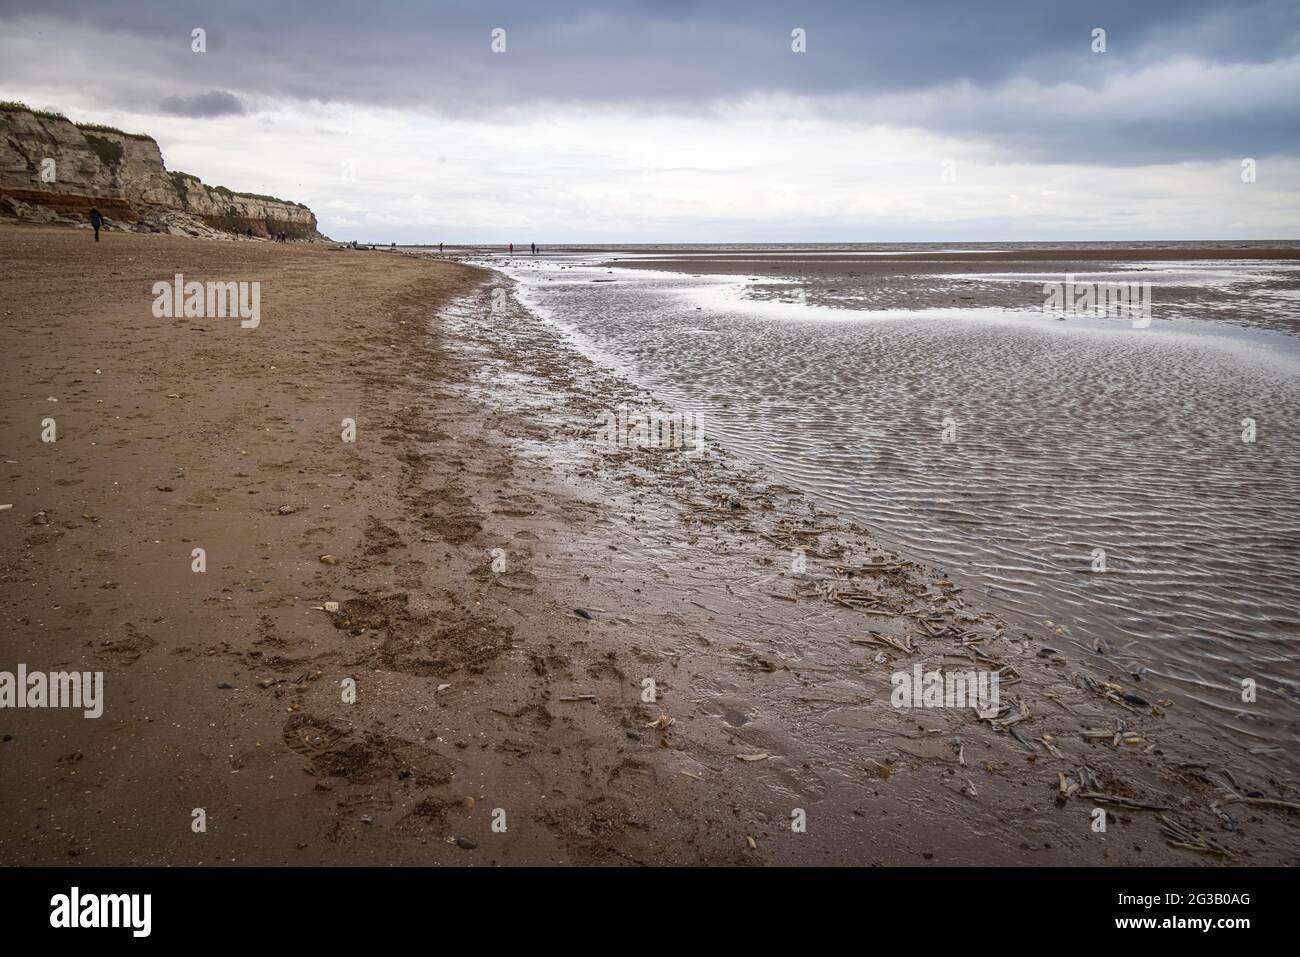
point(52, 170)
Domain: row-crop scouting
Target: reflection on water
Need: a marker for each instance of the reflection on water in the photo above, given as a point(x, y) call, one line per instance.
point(1070, 438)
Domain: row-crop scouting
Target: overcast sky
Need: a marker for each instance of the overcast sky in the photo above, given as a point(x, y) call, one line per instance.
point(670, 120)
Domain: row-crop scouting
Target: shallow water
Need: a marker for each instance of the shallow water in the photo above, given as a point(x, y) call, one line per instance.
point(1069, 438)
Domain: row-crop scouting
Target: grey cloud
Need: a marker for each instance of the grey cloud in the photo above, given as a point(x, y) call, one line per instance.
point(688, 56)
point(203, 105)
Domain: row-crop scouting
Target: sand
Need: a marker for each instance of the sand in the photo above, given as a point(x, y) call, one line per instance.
point(933, 279)
point(507, 587)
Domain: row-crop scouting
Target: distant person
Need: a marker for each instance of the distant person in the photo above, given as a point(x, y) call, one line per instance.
point(439, 249)
point(534, 245)
point(512, 249)
point(249, 232)
point(96, 220)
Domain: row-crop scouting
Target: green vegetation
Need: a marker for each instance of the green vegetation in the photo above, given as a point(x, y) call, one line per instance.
point(13, 106)
point(101, 128)
point(262, 196)
point(180, 183)
point(109, 153)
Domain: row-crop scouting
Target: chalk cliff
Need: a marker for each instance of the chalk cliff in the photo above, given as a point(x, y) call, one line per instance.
point(53, 170)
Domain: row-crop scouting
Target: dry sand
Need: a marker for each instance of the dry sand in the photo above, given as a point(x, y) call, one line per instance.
point(482, 695)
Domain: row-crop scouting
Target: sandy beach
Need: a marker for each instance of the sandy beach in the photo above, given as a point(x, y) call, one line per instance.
point(508, 588)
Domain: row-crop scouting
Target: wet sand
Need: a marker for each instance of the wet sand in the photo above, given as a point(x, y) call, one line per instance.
point(942, 277)
point(1072, 440)
point(506, 586)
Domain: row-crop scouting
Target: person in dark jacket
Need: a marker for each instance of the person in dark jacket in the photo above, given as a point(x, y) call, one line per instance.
point(96, 220)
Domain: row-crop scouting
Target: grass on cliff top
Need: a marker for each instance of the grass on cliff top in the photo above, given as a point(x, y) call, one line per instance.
point(262, 196)
point(181, 181)
point(101, 128)
point(13, 106)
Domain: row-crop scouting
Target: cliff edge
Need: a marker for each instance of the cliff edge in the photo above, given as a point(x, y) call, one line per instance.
point(53, 170)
